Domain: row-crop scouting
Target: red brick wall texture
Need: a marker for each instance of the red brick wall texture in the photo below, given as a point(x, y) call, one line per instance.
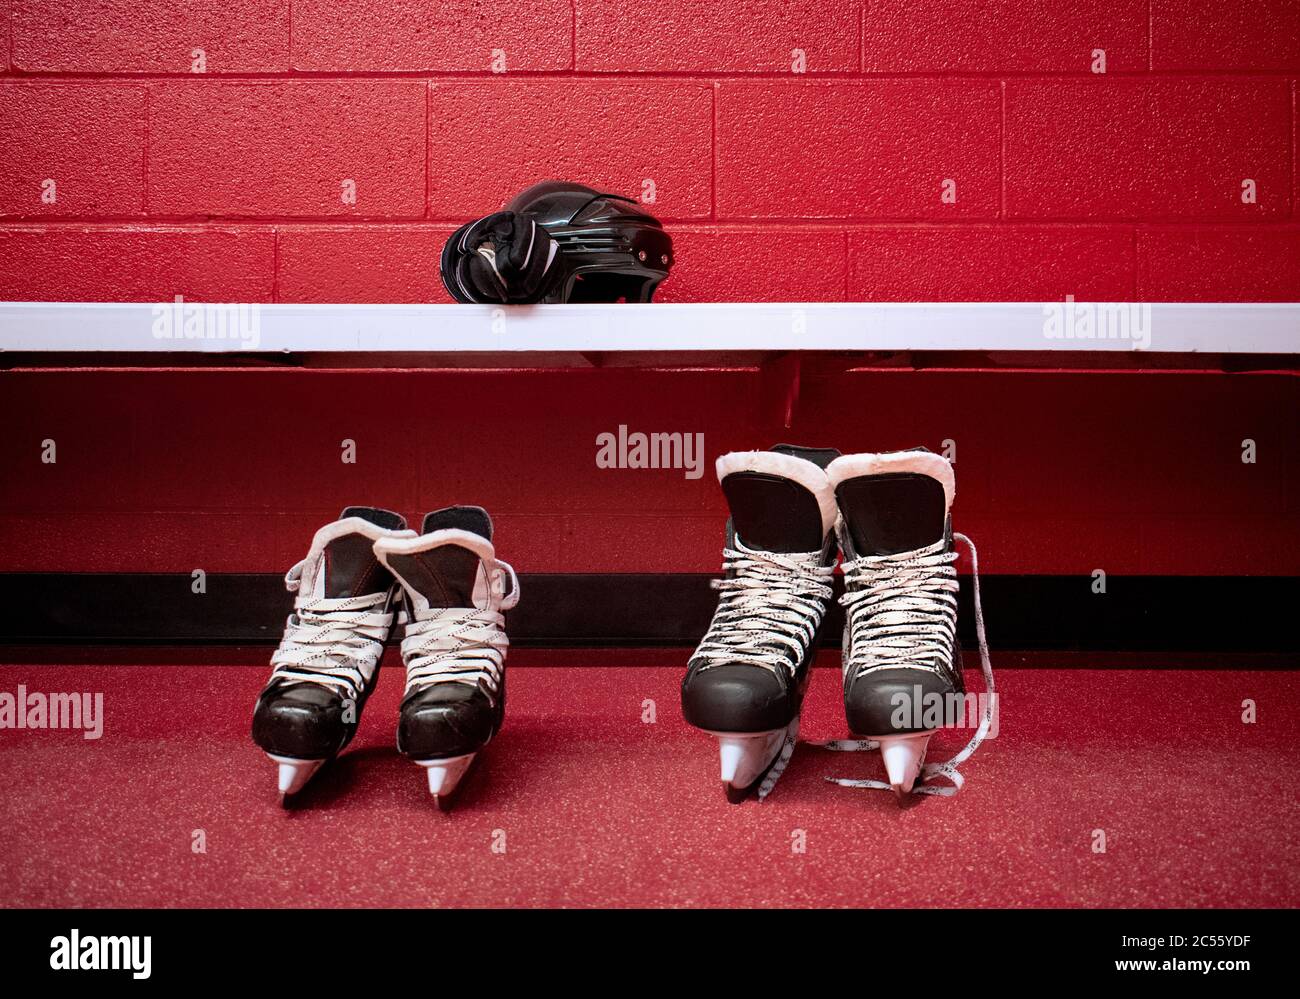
point(799, 150)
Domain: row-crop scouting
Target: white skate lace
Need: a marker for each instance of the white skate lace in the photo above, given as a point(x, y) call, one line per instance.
point(334, 642)
point(921, 619)
point(769, 611)
point(902, 610)
point(461, 644)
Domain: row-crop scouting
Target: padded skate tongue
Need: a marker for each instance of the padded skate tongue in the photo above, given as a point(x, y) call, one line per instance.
point(348, 565)
point(819, 456)
point(445, 573)
point(899, 506)
point(386, 519)
point(780, 500)
point(462, 518)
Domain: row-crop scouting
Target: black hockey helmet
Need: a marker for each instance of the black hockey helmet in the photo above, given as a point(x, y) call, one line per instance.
point(558, 242)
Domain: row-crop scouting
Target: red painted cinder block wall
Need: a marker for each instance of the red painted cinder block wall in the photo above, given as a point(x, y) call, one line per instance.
point(799, 150)
point(778, 185)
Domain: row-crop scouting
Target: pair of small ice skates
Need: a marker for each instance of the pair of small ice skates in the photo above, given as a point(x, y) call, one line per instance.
point(794, 510)
point(364, 573)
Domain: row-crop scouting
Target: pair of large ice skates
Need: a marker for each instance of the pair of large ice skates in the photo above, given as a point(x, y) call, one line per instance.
point(365, 573)
point(794, 510)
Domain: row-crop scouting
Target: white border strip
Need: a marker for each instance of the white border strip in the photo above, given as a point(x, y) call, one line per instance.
point(995, 326)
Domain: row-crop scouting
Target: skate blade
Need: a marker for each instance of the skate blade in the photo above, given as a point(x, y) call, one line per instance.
point(294, 774)
point(745, 758)
point(903, 756)
point(444, 776)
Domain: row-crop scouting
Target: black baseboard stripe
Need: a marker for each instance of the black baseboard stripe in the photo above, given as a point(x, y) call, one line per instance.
point(1202, 614)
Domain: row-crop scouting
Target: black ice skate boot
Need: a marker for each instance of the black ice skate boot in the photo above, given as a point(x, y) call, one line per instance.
point(902, 661)
point(327, 663)
point(455, 645)
point(745, 683)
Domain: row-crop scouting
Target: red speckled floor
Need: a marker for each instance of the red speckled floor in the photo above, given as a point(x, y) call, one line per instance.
point(596, 807)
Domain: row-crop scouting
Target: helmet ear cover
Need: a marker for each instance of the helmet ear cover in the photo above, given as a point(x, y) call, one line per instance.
point(501, 258)
point(599, 248)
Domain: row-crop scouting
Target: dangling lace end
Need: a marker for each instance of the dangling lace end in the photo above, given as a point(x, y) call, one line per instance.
point(948, 772)
point(781, 761)
point(917, 788)
point(879, 785)
point(847, 745)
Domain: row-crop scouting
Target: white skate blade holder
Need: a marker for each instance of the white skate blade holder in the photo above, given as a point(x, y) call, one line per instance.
point(294, 774)
point(903, 756)
point(745, 755)
point(444, 775)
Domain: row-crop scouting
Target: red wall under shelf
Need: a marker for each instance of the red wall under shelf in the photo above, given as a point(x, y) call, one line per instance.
point(233, 470)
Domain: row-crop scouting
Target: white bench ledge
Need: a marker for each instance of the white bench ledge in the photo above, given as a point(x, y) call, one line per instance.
point(1255, 328)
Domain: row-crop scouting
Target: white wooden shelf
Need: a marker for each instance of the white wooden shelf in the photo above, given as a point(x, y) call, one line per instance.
point(1167, 328)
